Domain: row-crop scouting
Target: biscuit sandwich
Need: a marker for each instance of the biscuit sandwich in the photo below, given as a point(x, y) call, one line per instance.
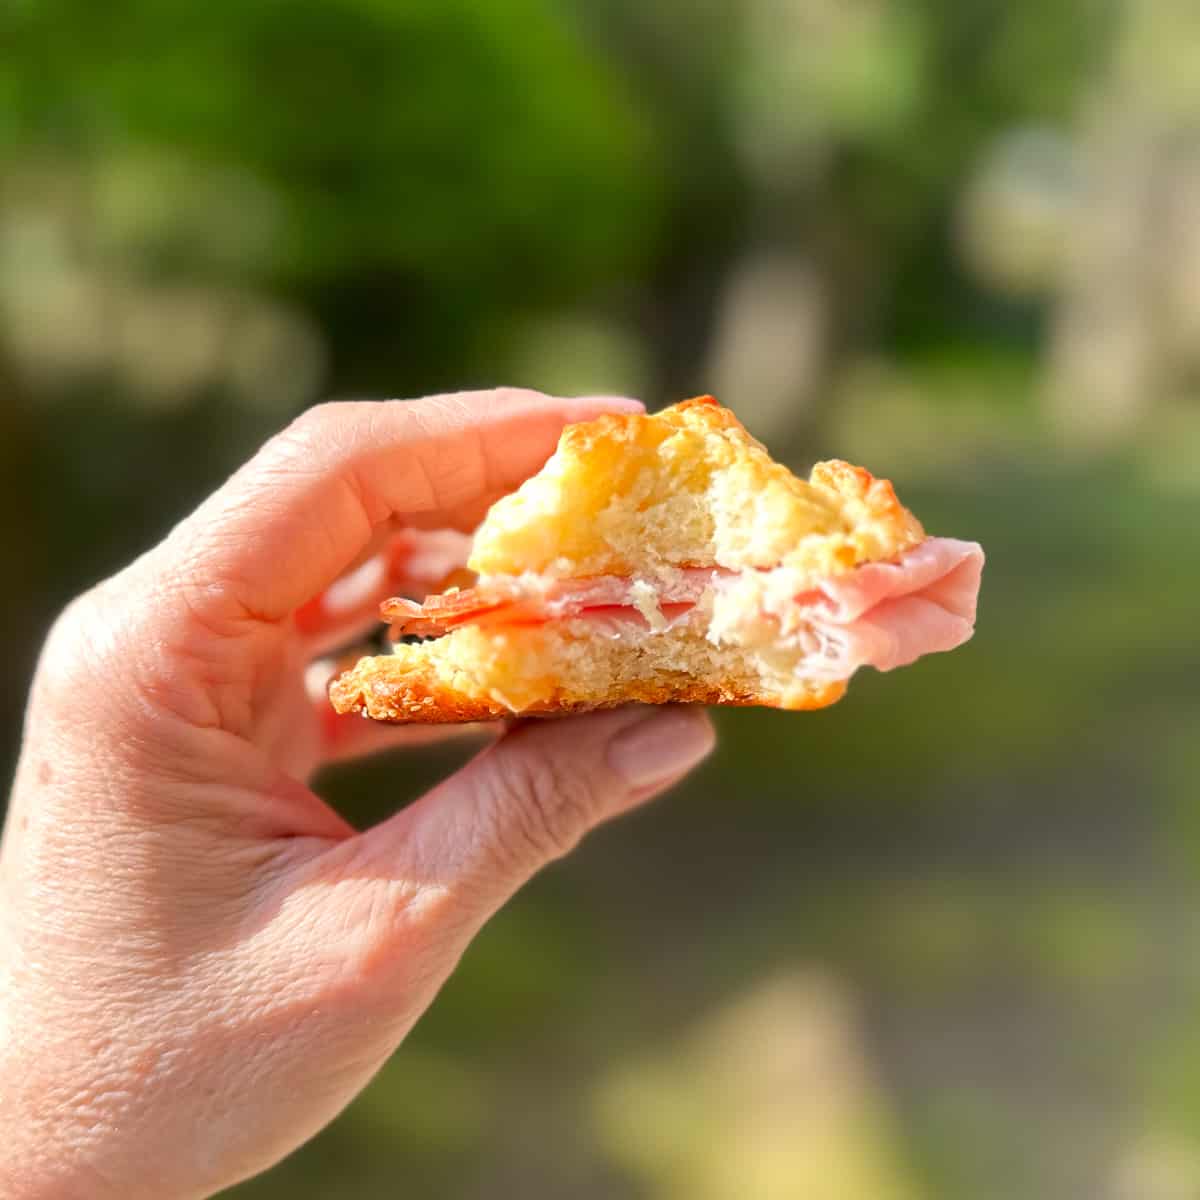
point(667, 558)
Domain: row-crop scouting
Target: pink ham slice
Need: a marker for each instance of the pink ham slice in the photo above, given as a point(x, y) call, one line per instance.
point(943, 570)
point(509, 602)
point(883, 615)
point(887, 615)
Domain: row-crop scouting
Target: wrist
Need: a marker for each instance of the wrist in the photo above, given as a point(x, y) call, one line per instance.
point(42, 1153)
point(56, 1145)
point(20, 1181)
point(39, 1162)
point(48, 1126)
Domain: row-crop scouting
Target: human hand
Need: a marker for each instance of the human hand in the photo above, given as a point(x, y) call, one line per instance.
point(200, 962)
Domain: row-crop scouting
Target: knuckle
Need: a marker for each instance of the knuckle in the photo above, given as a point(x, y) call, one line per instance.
point(319, 426)
point(99, 665)
point(549, 806)
point(83, 635)
point(516, 395)
point(64, 650)
point(76, 613)
point(317, 416)
point(312, 426)
point(403, 933)
point(301, 447)
point(324, 437)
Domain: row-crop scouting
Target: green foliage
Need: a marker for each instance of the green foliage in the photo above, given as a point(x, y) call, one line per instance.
point(453, 141)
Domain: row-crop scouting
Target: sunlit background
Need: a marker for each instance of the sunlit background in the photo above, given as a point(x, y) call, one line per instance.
point(937, 943)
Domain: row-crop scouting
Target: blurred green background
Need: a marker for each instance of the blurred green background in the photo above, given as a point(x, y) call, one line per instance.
point(937, 942)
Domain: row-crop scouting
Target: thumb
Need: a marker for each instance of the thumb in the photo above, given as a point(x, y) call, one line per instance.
point(530, 797)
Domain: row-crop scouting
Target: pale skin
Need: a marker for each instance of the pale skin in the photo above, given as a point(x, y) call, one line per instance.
point(201, 963)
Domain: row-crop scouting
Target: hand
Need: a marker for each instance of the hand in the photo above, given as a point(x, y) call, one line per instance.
point(200, 962)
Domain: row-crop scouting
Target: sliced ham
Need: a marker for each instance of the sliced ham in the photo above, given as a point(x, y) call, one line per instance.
point(942, 569)
point(512, 602)
point(884, 615)
point(887, 615)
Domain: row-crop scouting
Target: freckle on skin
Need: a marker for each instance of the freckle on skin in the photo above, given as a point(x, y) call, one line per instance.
point(45, 775)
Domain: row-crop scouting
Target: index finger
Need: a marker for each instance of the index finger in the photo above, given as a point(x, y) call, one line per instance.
point(291, 520)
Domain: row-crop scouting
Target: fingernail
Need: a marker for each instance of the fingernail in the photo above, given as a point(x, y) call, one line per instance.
point(316, 678)
point(355, 589)
point(310, 616)
point(668, 742)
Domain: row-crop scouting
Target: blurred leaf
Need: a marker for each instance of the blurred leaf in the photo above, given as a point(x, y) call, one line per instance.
point(399, 136)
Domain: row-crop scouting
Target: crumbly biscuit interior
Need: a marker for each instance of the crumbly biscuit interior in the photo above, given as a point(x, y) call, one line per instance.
point(586, 660)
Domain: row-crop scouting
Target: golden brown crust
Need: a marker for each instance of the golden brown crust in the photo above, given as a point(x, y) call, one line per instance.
point(385, 688)
point(688, 485)
point(881, 528)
